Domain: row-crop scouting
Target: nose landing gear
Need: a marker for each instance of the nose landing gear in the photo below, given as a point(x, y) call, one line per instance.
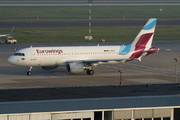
point(29, 71)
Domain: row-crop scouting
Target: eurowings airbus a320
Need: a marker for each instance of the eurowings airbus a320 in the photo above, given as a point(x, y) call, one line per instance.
point(79, 59)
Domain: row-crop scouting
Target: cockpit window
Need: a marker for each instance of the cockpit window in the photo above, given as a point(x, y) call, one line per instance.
point(19, 54)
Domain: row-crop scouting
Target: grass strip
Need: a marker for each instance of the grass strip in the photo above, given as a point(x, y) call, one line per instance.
point(76, 34)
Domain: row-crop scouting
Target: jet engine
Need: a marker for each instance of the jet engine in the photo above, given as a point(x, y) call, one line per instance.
point(49, 67)
point(75, 67)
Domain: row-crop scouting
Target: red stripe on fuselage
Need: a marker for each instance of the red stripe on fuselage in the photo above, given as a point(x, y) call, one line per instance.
point(140, 45)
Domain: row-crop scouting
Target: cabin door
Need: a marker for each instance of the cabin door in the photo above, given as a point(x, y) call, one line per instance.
point(33, 54)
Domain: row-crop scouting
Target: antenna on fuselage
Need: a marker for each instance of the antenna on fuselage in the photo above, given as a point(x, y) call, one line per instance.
point(31, 46)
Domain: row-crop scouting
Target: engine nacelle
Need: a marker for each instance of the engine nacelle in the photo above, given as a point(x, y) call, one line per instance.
point(49, 67)
point(75, 67)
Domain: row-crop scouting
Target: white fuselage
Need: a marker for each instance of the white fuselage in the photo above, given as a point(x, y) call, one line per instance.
point(49, 56)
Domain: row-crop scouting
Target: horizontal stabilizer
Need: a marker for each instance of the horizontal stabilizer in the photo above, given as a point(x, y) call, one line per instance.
point(150, 50)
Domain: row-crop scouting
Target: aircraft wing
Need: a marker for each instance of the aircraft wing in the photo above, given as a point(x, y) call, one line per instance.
point(96, 60)
point(8, 34)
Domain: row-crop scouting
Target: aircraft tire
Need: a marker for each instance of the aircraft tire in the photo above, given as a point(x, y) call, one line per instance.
point(90, 72)
point(29, 73)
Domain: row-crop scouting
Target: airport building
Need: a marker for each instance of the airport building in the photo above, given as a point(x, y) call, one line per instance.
point(127, 102)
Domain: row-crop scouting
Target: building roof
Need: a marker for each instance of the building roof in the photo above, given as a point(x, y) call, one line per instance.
point(79, 92)
point(54, 99)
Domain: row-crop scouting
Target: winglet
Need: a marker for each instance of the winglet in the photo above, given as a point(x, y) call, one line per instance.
point(11, 31)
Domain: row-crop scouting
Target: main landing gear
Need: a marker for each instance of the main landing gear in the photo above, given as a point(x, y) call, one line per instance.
point(90, 72)
point(29, 71)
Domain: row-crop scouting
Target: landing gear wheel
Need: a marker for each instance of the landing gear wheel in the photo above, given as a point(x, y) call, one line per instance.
point(90, 72)
point(29, 73)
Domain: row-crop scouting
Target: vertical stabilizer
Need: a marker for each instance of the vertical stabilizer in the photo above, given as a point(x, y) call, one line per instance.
point(145, 36)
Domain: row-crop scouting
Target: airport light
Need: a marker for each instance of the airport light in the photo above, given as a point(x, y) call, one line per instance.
point(120, 77)
point(176, 68)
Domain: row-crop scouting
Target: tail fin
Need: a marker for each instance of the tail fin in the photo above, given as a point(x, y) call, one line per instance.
point(145, 36)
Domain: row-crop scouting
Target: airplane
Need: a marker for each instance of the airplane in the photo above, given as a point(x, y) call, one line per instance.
point(82, 58)
point(3, 35)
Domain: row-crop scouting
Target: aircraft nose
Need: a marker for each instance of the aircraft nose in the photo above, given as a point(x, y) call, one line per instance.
point(10, 60)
